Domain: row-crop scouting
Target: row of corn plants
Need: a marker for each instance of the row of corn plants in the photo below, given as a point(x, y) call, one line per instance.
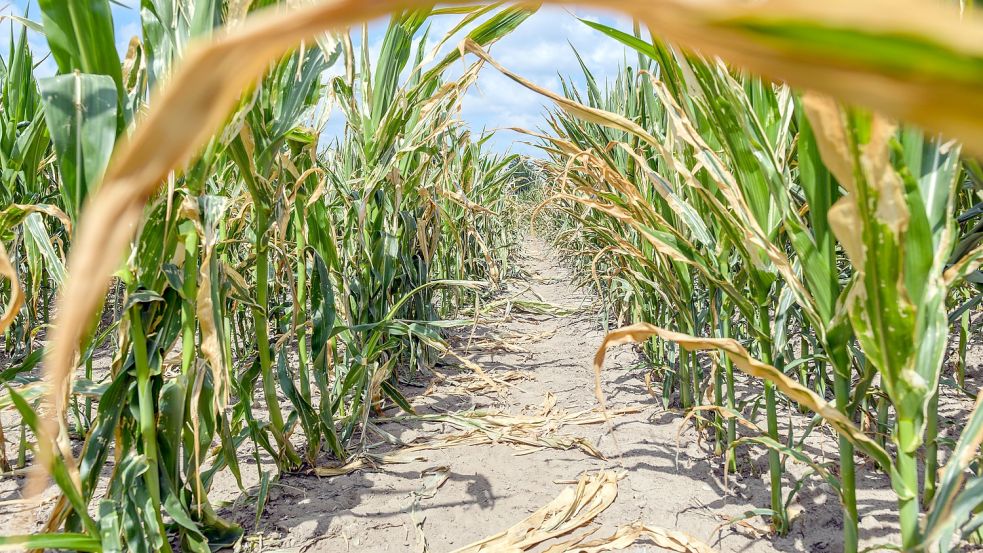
point(280, 286)
point(822, 250)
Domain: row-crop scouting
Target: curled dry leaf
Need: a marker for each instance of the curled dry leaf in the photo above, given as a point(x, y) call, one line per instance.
point(742, 360)
point(964, 266)
point(14, 214)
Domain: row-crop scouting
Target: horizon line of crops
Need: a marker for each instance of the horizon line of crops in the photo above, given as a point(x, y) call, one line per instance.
point(840, 246)
point(278, 290)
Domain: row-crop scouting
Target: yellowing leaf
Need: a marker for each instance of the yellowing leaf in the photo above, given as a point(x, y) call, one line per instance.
point(16, 294)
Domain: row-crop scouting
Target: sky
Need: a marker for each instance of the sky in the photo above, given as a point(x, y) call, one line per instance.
point(539, 50)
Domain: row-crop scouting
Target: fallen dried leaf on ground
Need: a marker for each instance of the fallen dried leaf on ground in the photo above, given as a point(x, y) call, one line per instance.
point(530, 433)
point(573, 508)
point(627, 536)
point(436, 477)
point(368, 460)
point(474, 384)
point(476, 368)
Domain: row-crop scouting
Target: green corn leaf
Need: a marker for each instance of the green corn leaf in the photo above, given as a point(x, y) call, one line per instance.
point(109, 529)
point(82, 37)
point(954, 503)
point(80, 110)
point(62, 541)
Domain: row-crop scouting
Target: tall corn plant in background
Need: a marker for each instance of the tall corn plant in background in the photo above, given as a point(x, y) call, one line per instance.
point(32, 222)
point(668, 221)
point(387, 233)
point(903, 210)
point(262, 154)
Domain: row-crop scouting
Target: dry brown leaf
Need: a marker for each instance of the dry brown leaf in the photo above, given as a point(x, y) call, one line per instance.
point(527, 441)
point(367, 461)
point(626, 536)
point(573, 508)
point(576, 109)
point(210, 347)
point(831, 137)
point(435, 478)
point(473, 384)
point(553, 418)
point(528, 433)
point(477, 369)
point(969, 263)
point(16, 294)
point(828, 121)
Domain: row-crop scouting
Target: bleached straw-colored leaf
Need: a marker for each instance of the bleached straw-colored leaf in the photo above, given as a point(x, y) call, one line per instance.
point(16, 294)
point(573, 508)
point(627, 536)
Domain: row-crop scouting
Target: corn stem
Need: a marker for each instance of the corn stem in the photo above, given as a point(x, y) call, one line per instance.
point(779, 519)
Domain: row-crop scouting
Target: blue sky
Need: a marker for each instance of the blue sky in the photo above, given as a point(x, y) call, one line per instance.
point(539, 50)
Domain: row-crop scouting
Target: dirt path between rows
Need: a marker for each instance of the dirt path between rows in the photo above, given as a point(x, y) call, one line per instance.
point(453, 496)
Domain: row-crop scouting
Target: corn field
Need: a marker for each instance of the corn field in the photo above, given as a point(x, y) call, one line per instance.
point(780, 202)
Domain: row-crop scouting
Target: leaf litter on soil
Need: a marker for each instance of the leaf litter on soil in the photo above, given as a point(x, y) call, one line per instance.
point(527, 433)
point(574, 508)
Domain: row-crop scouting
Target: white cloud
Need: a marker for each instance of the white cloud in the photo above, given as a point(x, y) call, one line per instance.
point(541, 50)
